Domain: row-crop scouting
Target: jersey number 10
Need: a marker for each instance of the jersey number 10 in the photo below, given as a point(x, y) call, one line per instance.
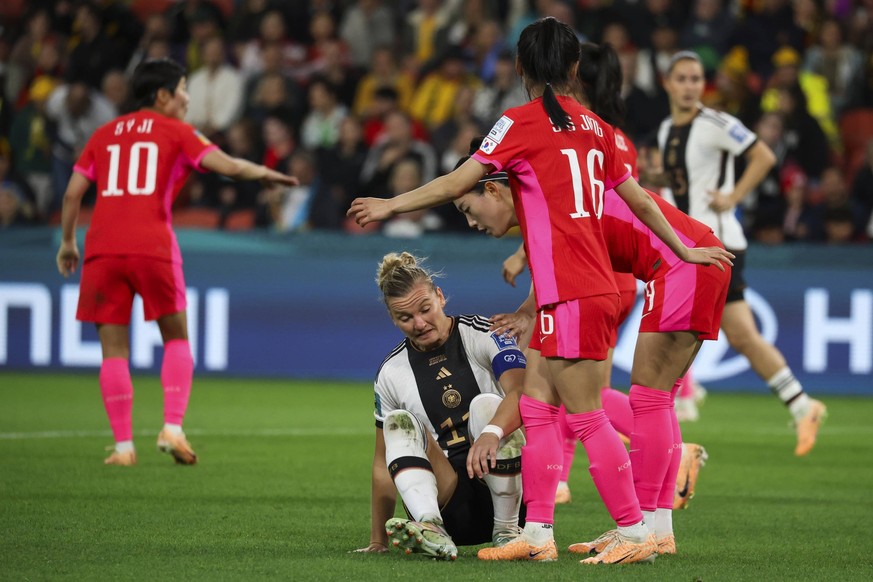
point(138, 183)
point(595, 157)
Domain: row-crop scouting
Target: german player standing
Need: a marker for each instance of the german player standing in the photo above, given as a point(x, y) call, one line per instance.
point(698, 146)
point(139, 163)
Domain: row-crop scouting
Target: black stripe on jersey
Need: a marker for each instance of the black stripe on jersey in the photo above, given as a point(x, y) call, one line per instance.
point(446, 392)
point(714, 117)
point(675, 163)
point(477, 322)
point(722, 169)
point(399, 348)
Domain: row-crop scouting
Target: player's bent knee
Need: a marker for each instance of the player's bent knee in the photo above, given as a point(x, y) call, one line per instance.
point(482, 410)
point(404, 434)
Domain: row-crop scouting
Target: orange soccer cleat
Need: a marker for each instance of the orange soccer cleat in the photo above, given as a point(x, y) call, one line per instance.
point(125, 459)
point(623, 550)
point(693, 458)
point(807, 427)
point(178, 446)
point(521, 549)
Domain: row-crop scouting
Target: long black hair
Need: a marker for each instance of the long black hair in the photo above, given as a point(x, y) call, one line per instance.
point(547, 51)
point(600, 77)
point(153, 75)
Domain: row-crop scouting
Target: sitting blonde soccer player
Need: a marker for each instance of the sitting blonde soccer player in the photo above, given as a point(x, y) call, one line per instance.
point(450, 380)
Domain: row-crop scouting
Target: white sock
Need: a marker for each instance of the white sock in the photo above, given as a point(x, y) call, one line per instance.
point(538, 533)
point(418, 489)
point(563, 485)
point(505, 498)
point(663, 522)
point(649, 519)
point(637, 532)
point(124, 447)
point(173, 429)
point(788, 389)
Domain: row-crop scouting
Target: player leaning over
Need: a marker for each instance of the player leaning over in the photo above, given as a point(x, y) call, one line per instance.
point(436, 392)
point(139, 162)
point(698, 146)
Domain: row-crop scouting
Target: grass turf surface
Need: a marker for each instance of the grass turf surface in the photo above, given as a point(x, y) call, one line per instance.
point(282, 492)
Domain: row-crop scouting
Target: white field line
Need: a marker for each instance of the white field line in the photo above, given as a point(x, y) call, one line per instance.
point(242, 432)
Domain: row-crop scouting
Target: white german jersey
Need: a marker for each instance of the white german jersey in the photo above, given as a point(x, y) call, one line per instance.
point(699, 158)
point(437, 386)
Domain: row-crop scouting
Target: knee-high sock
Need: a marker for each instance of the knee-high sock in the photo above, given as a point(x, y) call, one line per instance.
point(686, 388)
point(177, 374)
point(569, 443)
point(540, 459)
point(617, 406)
point(668, 489)
point(117, 390)
point(651, 442)
point(406, 456)
point(609, 465)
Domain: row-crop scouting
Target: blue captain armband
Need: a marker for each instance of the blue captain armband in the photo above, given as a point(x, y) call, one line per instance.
point(507, 360)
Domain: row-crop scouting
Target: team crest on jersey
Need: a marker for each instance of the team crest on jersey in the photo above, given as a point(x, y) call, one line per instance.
point(739, 133)
point(451, 397)
point(499, 130)
point(620, 143)
point(487, 146)
point(504, 341)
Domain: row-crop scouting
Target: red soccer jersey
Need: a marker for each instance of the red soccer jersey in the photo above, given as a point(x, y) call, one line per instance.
point(627, 152)
point(140, 162)
point(634, 248)
point(558, 179)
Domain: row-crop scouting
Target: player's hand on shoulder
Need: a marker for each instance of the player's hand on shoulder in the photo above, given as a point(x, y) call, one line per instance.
point(373, 548)
point(511, 324)
point(720, 202)
point(67, 258)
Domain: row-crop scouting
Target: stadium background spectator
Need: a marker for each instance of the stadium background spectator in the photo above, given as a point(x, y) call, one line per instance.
point(803, 67)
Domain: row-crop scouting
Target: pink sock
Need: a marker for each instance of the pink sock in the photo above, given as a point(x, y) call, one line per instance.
point(686, 389)
point(665, 497)
point(540, 458)
point(609, 465)
point(618, 410)
point(570, 441)
point(651, 442)
point(177, 374)
point(117, 390)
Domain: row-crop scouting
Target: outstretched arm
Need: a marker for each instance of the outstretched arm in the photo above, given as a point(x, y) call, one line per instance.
point(436, 192)
point(514, 265)
point(239, 169)
point(642, 205)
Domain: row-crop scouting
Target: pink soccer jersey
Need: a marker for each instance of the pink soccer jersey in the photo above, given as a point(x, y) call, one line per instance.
point(558, 180)
point(634, 248)
point(140, 162)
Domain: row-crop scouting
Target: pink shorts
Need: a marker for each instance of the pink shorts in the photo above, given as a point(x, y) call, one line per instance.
point(109, 284)
point(687, 297)
point(577, 330)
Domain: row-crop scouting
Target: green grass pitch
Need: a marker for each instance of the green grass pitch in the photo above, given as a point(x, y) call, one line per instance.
point(282, 492)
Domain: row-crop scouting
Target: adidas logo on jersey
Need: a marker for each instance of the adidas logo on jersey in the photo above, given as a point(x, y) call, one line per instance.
point(443, 374)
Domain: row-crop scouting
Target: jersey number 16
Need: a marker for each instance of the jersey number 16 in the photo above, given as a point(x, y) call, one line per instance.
point(138, 183)
point(595, 165)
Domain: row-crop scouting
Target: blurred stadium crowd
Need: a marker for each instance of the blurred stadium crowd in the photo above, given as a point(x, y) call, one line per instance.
point(375, 97)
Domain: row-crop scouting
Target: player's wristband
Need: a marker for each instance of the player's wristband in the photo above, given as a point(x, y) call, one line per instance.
point(493, 429)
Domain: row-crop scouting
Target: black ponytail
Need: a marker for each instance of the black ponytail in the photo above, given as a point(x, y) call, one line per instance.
point(547, 51)
point(600, 77)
